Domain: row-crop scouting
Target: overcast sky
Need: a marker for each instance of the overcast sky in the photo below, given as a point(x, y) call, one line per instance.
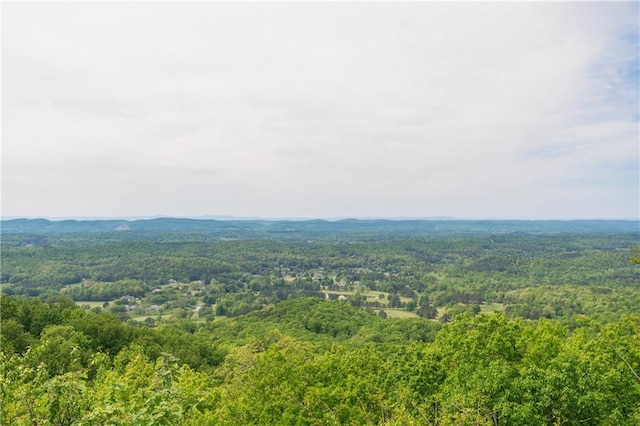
point(472, 110)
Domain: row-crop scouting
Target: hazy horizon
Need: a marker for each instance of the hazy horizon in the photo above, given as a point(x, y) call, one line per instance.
point(522, 111)
point(329, 219)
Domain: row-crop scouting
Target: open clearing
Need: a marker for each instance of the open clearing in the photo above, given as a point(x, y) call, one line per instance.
point(400, 313)
point(92, 303)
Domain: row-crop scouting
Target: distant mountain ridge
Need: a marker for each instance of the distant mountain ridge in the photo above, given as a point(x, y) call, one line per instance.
point(259, 228)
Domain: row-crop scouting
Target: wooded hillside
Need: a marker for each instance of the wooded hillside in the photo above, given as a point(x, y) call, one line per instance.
point(492, 326)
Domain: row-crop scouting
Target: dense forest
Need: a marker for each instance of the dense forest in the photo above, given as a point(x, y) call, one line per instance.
point(174, 321)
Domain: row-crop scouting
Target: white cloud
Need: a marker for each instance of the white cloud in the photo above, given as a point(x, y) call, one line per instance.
point(319, 109)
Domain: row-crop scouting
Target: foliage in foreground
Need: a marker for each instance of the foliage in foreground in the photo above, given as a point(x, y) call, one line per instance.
point(63, 366)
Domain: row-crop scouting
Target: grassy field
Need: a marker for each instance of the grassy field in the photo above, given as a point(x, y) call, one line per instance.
point(372, 296)
point(142, 318)
point(400, 313)
point(92, 303)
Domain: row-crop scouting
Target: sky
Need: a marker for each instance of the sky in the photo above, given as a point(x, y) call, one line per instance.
point(320, 110)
